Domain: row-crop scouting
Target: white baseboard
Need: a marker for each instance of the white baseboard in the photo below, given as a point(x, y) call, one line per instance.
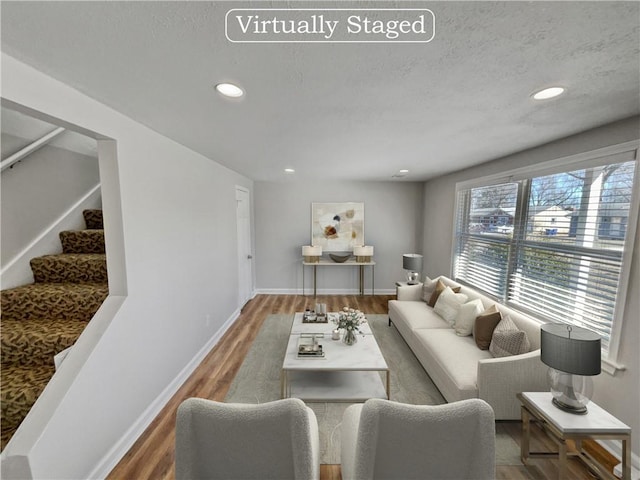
point(635, 473)
point(615, 448)
point(117, 452)
point(322, 291)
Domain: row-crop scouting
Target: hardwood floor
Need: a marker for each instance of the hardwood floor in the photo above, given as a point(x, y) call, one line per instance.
point(152, 455)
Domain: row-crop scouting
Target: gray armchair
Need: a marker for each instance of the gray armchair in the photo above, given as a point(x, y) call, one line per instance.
point(274, 440)
point(388, 440)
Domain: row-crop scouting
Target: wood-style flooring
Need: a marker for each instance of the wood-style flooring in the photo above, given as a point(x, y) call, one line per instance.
point(152, 455)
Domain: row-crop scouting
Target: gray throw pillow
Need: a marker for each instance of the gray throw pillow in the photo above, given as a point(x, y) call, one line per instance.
point(508, 340)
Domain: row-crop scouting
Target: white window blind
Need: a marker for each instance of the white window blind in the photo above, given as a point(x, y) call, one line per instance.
point(484, 228)
point(550, 245)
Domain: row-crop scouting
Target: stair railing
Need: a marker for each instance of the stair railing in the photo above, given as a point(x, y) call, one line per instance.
point(29, 149)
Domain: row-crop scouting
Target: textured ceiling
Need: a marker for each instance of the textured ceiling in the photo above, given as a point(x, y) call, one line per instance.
point(344, 111)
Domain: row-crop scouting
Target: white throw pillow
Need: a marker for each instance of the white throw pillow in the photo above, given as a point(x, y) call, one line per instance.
point(466, 316)
point(428, 287)
point(448, 305)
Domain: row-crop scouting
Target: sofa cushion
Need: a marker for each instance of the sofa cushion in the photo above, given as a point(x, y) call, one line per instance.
point(428, 288)
point(452, 362)
point(448, 304)
point(414, 315)
point(440, 286)
point(484, 326)
point(466, 317)
point(508, 340)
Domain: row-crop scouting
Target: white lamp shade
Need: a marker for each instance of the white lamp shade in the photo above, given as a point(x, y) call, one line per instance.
point(363, 251)
point(311, 250)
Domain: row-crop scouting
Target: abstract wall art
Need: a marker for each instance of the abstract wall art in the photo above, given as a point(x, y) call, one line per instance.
point(337, 227)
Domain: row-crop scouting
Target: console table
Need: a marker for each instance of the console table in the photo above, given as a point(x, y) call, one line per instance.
point(348, 263)
point(561, 426)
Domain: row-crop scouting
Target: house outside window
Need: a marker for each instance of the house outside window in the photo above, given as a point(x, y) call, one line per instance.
point(555, 242)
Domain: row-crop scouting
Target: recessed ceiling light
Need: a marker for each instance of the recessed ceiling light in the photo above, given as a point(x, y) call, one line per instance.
point(548, 93)
point(400, 174)
point(289, 170)
point(229, 90)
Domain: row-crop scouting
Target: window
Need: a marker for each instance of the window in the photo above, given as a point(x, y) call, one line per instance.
point(552, 243)
point(484, 231)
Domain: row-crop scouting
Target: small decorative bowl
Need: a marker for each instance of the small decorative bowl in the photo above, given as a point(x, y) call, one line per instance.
point(339, 258)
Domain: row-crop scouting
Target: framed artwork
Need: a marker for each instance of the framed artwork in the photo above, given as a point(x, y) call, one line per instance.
point(337, 227)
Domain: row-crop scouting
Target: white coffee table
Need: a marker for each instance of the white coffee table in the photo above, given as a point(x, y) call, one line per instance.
point(345, 374)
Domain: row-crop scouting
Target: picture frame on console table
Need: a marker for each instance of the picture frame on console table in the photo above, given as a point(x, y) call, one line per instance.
point(337, 226)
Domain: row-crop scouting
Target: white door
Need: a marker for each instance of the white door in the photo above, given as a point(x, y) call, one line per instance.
point(245, 256)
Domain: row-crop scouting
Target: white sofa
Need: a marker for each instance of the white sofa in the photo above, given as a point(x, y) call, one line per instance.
point(456, 365)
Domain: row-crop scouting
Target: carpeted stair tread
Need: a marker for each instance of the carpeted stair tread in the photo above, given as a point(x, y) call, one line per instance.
point(19, 390)
point(41, 319)
point(53, 300)
point(82, 241)
point(70, 268)
point(93, 219)
point(36, 342)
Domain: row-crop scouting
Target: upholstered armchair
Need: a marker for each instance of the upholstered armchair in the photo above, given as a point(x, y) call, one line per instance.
point(274, 440)
point(388, 440)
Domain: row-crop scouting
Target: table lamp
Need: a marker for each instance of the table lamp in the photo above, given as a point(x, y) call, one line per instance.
point(573, 355)
point(312, 253)
point(363, 253)
point(412, 262)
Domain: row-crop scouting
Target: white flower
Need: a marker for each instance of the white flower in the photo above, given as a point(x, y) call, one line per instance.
point(350, 319)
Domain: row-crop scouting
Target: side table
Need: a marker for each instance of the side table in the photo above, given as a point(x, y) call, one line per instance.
point(404, 284)
point(561, 426)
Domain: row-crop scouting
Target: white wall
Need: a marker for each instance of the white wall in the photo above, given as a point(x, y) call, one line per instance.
point(179, 241)
point(38, 190)
point(620, 394)
point(392, 210)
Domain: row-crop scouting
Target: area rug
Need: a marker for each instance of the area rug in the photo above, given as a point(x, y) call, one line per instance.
point(258, 381)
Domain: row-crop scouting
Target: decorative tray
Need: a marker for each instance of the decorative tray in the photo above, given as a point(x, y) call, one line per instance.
point(315, 318)
point(308, 346)
point(308, 351)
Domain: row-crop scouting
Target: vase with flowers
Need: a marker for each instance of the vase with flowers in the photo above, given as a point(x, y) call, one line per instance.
point(349, 320)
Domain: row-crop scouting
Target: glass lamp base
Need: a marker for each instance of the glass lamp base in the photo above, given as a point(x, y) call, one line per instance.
point(570, 408)
point(412, 278)
point(571, 393)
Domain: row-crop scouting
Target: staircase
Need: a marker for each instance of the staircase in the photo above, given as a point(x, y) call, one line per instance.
point(43, 318)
